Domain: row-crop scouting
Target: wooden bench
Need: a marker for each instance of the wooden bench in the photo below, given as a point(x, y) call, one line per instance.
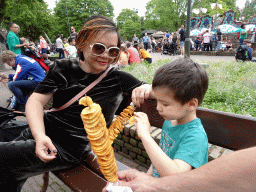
point(226, 130)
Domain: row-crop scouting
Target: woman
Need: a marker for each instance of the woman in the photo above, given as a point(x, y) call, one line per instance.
point(243, 34)
point(43, 45)
point(57, 139)
point(144, 55)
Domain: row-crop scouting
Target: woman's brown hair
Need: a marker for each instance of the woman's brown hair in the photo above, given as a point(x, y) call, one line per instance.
point(91, 28)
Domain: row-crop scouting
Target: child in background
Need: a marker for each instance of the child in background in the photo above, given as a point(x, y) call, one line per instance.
point(71, 50)
point(65, 45)
point(229, 45)
point(47, 61)
point(179, 88)
point(124, 57)
point(249, 50)
point(144, 55)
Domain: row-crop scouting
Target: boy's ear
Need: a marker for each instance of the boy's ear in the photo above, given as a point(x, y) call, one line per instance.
point(193, 104)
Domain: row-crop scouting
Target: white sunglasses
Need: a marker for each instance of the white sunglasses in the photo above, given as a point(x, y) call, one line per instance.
point(99, 49)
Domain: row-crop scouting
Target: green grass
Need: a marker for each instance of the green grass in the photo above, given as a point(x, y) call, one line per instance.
point(232, 85)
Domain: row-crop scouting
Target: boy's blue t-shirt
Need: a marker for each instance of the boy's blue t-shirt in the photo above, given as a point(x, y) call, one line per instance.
point(187, 142)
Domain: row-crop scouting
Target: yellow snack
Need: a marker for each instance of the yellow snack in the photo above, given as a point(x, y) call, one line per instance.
point(131, 120)
point(100, 137)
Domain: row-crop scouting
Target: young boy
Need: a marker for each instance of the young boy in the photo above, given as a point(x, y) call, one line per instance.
point(71, 49)
point(179, 88)
point(47, 61)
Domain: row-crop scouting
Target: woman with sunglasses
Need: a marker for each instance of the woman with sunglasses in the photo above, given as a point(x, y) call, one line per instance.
point(57, 139)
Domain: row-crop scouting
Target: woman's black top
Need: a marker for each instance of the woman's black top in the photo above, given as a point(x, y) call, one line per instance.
point(66, 79)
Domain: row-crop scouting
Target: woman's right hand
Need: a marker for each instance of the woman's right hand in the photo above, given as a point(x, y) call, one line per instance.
point(45, 150)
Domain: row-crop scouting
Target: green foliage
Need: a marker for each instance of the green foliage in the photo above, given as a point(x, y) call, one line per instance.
point(78, 12)
point(232, 85)
point(226, 5)
point(128, 23)
point(165, 14)
point(249, 9)
point(32, 16)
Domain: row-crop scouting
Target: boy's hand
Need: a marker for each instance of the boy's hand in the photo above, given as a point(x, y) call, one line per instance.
point(142, 124)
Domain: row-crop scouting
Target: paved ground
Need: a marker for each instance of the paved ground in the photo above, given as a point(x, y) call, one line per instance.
point(55, 185)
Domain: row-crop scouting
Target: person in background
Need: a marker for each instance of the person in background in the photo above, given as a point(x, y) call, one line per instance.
point(219, 39)
point(71, 50)
point(65, 45)
point(144, 55)
point(135, 39)
point(145, 41)
point(182, 40)
point(43, 45)
point(229, 45)
point(28, 73)
point(134, 56)
point(13, 40)
point(124, 57)
point(47, 61)
point(73, 32)
point(167, 35)
point(59, 45)
point(198, 43)
point(243, 34)
point(207, 40)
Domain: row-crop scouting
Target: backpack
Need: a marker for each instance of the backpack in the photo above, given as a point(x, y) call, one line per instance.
point(241, 52)
point(238, 35)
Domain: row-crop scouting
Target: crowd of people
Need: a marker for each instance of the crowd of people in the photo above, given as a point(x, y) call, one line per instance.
point(179, 88)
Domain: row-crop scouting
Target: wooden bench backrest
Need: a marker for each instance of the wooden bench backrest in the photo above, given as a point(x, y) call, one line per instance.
point(223, 129)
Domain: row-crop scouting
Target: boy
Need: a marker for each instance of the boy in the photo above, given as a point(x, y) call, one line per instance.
point(179, 88)
point(71, 49)
point(47, 61)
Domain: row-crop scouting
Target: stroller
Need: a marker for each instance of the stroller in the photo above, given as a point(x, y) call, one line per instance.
point(165, 48)
point(241, 53)
point(173, 49)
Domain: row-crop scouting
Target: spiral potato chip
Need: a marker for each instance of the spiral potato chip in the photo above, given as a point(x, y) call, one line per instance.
point(100, 137)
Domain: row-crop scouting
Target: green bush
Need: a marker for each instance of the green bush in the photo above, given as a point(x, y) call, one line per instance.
point(232, 85)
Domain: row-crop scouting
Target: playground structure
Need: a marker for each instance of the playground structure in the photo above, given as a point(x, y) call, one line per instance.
point(227, 23)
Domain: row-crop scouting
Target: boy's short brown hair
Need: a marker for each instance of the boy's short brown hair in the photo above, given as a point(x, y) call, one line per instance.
point(7, 55)
point(186, 78)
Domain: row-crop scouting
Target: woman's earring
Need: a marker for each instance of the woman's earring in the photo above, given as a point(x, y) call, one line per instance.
point(81, 55)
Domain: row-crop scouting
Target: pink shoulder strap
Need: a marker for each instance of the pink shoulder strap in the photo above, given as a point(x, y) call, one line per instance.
point(79, 95)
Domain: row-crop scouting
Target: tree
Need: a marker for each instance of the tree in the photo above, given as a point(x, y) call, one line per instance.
point(249, 9)
point(226, 5)
point(78, 12)
point(128, 29)
point(165, 14)
point(125, 15)
point(32, 16)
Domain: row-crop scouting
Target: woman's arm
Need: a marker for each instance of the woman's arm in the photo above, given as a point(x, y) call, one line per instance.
point(34, 114)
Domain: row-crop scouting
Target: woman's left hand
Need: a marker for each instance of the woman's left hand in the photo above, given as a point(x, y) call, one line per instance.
point(139, 94)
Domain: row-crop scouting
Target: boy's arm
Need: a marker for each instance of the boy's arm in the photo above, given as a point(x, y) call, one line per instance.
point(163, 164)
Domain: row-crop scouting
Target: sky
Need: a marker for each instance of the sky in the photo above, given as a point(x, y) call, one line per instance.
point(137, 4)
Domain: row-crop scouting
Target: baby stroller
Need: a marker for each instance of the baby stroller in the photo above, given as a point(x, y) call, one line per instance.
point(165, 48)
point(173, 49)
